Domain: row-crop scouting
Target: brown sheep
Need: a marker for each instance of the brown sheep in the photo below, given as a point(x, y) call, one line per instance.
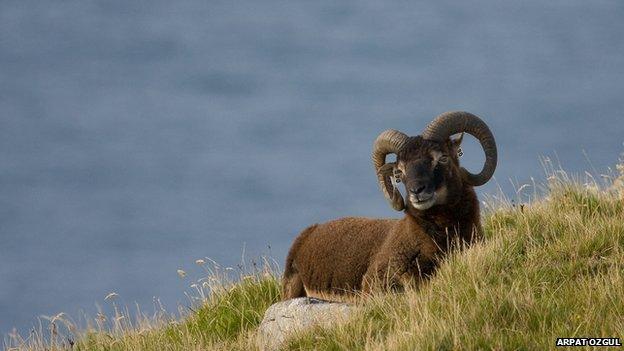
point(336, 259)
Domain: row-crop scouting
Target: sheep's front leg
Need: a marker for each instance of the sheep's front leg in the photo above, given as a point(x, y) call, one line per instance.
point(403, 269)
point(385, 275)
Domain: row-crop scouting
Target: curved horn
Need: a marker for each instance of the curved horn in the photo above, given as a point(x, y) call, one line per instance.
point(454, 122)
point(389, 142)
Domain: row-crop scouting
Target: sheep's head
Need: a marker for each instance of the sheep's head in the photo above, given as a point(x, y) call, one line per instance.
point(428, 164)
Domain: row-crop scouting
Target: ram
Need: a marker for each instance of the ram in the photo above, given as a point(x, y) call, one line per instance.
point(339, 258)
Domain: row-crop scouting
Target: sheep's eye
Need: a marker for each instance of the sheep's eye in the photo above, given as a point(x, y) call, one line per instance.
point(443, 159)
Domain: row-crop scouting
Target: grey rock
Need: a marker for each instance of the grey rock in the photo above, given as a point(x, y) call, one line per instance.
point(284, 318)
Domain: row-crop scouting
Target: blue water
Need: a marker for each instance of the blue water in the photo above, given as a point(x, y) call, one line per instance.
point(136, 137)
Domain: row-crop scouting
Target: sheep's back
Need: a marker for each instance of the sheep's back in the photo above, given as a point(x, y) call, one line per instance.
point(334, 256)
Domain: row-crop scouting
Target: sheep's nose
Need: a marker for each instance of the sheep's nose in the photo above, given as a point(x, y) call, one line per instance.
point(417, 190)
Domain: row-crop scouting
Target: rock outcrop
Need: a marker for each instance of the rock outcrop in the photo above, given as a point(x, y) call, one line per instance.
point(284, 318)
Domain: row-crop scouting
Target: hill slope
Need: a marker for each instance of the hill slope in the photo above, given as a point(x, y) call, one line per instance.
point(552, 268)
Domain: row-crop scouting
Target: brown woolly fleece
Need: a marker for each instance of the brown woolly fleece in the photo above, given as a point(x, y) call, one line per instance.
point(336, 259)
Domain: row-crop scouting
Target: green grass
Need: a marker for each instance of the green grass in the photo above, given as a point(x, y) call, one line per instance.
point(551, 268)
point(224, 317)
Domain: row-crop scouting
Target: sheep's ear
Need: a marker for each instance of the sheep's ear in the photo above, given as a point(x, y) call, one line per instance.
point(456, 144)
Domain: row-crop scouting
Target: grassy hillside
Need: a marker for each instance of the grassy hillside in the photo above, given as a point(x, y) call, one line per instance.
point(550, 268)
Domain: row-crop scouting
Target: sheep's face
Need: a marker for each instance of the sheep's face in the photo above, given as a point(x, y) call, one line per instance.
point(430, 172)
